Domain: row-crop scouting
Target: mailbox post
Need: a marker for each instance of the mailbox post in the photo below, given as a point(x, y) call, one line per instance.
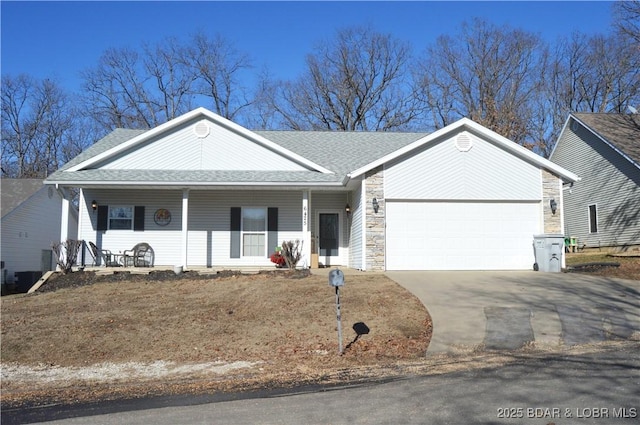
point(336, 279)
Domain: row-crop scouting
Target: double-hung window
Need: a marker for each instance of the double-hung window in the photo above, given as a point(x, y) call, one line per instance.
point(254, 232)
point(121, 218)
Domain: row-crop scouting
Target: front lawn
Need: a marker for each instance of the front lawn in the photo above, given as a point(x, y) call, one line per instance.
point(279, 324)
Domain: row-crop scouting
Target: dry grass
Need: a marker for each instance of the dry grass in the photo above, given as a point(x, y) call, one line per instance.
point(283, 323)
point(629, 266)
point(286, 324)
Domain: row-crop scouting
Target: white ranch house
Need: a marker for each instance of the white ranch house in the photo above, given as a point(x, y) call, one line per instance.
point(206, 192)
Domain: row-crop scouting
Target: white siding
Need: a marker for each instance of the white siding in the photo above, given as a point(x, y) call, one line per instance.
point(210, 222)
point(469, 210)
point(355, 239)
point(165, 240)
point(441, 171)
point(221, 149)
point(30, 228)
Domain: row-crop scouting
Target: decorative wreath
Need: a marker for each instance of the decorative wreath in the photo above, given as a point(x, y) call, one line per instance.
point(162, 217)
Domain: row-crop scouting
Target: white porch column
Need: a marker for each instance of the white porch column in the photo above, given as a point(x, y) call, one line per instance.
point(306, 233)
point(185, 226)
point(64, 224)
point(562, 229)
point(363, 231)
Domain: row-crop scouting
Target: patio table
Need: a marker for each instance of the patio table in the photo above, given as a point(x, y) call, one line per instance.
point(120, 259)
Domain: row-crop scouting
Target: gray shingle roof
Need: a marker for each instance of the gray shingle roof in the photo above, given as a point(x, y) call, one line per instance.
point(620, 130)
point(16, 191)
point(195, 176)
point(116, 137)
point(340, 152)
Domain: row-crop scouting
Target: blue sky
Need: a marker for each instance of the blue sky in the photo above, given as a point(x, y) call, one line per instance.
point(59, 39)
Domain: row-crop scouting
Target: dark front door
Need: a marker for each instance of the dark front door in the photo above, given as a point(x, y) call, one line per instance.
point(329, 233)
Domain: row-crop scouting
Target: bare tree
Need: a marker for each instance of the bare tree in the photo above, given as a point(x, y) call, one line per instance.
point(37, 127)
point(614, 77)
point(356, 81)
point(627, 18)
point(489, 74)
point(262, 113)
point(165, 64)
point(593, 74)
point(218, 69)
point(18, 131)
point(114, 91)
point(129, 89)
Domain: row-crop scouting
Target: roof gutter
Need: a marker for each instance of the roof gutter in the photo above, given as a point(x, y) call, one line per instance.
point(102, 183)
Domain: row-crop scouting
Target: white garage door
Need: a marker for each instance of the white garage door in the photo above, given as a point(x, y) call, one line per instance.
point(461, 235)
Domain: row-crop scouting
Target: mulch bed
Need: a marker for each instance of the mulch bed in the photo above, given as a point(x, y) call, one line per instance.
point(591, 267)
point(84, 278)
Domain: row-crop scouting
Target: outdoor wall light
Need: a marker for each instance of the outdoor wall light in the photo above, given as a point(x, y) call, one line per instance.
point(376, 205)
point(347, 209)
point(94, 205)
point(554, 206)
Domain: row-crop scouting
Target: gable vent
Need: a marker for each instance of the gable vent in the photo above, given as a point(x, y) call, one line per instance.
point(201, 129)
point(464, 142)
point(574, 125)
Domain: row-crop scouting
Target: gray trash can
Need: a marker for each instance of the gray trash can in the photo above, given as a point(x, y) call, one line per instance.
point(548, 249)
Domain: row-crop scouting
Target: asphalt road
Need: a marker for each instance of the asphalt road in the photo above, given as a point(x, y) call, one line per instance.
point(595, 388)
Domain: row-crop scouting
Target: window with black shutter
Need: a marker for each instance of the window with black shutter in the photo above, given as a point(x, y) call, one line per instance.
point(236, 213)
point(118, 217)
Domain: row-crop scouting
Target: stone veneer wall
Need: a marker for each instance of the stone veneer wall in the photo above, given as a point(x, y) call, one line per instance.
point(551, 188)
point(375, 242)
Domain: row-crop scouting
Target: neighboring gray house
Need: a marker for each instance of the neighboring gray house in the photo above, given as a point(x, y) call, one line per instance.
point(31, 222)
point(602, 209)
point(206, 192)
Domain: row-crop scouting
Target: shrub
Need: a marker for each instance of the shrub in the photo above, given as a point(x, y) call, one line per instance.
point(292, 252)
point(66, 254)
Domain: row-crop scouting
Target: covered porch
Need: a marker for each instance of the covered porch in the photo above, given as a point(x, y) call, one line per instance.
point(213, 229)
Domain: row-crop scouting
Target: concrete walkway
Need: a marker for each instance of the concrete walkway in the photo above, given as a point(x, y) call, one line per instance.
point(507, 310)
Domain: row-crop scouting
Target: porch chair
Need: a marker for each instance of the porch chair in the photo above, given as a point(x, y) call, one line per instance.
point(103, 256)
point(571, 244)
point(141, 255)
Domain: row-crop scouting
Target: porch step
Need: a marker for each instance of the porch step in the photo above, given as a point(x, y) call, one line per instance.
point(40, 282)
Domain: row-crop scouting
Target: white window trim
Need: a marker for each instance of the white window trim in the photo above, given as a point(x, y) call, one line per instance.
point(243, 233)
point(341, 249)
point(589, 218)
point(109, 218)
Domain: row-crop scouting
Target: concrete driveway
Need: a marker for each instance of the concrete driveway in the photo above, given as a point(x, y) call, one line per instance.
point(507, 310)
